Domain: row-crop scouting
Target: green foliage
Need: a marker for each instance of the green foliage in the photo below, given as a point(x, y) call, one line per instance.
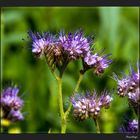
point(116, 30)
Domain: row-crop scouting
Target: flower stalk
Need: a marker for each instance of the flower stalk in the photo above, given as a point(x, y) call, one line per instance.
point(78, 83)
point(64, 115)
point(97, 126)
point(60, 99)
point(75, 90)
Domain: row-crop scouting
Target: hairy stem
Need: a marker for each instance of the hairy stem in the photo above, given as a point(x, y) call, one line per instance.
point(78, 83)
point(97, 126)
point(75, 90)
point(60, 99)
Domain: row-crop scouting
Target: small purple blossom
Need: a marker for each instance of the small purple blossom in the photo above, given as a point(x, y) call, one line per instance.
point(94, 107)
point(123, 86)
point(134, 80)
point(128, 84)
point(10, 92)
point(80, 104)
point(9, 99)
point(134, 125)
point(89, 105)
point(75, 45)
point(40, 42)
point(106, 100)
point(90, 59)
point(97, 62)
point(102, 64)
point(130, 127)
point(11, 103)
point(134, 97)
point(15, 116)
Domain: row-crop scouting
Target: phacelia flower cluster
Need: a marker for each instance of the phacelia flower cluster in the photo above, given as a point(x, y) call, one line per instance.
point(129, 86)
point(130, 127)
point(60, 49)
point(11, 104)
point(96, 62)
point(89, 105)
point(74, 45)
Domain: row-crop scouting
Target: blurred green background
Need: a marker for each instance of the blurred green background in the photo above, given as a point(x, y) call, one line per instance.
point(116, 30)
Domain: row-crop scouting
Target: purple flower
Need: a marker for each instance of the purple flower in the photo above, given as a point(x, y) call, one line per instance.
point(134, 97)
point(130, 127)
point(134, 91)
point(75, 45)
point(90, 59)
point(128, 85)
point(133, 125)
point(94, 107)
point(10, 92)
point(10, 100)
point(80, 105)
point(89, 105)
point(11, 104)
point(134, 80)
point(122, 85)
point(102, 63)
point(15, 116)
point(97, 62)
point(106, 100)
point(40, 42)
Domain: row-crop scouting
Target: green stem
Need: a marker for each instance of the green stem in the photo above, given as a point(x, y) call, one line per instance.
point(76, 89)
point(78, 83)
point(97, 126)
point(60, 98)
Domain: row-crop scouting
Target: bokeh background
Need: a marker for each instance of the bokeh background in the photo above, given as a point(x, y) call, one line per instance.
point(116, 29)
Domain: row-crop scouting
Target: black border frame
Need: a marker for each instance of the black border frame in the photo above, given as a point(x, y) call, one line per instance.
point(69, 3)
point(69, 136)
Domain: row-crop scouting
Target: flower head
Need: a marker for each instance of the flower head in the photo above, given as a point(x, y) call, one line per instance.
point(75, 45)
point(106, 100)
point(130, 126)
point(15, 116)
point(102, 64)
point(128, 84)
point(91, 59)
point(10, 100)
point(134, 98)
point(89, 105)
point(123, 86)
point(11, 104)
point(133, 125)
point(97, 62)
point(40, 42)
point(80, 104)
point(94, 107)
